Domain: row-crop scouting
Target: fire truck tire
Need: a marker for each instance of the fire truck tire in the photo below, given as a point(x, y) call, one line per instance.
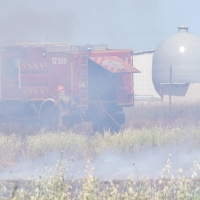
point(48, 115)
point(97, 124)
point(112, 123)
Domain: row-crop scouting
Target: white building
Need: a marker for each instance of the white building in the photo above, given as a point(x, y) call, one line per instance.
point(143, 85)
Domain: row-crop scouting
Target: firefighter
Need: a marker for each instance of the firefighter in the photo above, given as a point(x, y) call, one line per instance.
point(63, 103)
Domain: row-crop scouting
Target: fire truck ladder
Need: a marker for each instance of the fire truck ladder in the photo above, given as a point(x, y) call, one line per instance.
point(83, 79)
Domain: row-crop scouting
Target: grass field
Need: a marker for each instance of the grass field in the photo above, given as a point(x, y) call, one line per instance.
point(147, 132)
point(158, 114)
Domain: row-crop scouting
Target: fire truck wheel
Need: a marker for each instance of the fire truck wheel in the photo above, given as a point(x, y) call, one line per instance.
point(98, 125)
point(111, 119)
point(49, 116)
point(112, 123)
point(50, 119)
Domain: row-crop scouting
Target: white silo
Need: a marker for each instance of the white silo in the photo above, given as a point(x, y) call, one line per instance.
point(179, 52)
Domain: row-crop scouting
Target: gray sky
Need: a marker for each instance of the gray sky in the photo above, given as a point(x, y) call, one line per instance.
point(136, 24)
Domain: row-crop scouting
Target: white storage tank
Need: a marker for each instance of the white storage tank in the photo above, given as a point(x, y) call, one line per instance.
point(181, 51)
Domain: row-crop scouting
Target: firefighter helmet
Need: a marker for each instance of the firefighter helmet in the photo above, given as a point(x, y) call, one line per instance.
point(60, 87)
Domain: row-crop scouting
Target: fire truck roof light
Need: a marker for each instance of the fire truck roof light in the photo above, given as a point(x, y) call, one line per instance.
point(44, 54)
point(89, 49)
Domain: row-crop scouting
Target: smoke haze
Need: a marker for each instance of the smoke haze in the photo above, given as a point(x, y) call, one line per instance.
point(136, 24)
point(109, 166)
point(139, 25)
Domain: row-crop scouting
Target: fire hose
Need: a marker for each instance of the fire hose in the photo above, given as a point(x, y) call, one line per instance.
point(35, 116)
point(23, 118)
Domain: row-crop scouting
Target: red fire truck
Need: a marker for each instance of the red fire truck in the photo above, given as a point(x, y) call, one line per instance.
point(99, 79)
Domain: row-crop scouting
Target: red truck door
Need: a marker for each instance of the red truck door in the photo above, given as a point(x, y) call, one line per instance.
point(10, 76)
point(59, 73)
point(124, 88)
point(124, 76)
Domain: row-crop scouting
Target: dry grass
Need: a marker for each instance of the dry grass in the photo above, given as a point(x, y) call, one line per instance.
point(15, 147)
point(150, 114)
point(147, 128)
point(90, 188)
